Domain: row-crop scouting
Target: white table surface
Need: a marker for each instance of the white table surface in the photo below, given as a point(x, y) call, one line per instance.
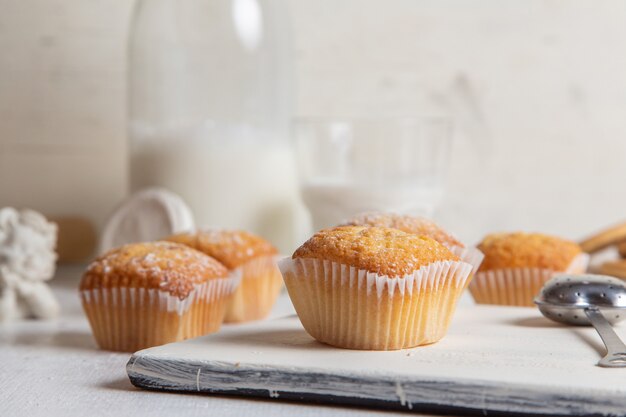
point(55, 368)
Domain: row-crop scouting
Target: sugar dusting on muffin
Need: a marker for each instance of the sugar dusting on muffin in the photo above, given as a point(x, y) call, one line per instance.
point(406, 223)
point(232, 248)
point(527, 250)
point(167, 266)
point(381, 250)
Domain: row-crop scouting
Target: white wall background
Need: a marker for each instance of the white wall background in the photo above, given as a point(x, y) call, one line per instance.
point(537, 89)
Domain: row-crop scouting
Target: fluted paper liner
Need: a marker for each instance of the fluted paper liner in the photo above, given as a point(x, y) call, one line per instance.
point(352, 308)
point(129, 319)
point(471, 255)
point(518, 286)
point(261, 283)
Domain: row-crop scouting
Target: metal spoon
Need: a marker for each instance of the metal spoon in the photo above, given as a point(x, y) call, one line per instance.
point(587, 299)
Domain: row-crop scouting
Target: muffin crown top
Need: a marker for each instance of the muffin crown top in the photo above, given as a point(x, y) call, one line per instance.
point(165, 266)
point(232, 248)
point(409, 224)
point(381, 250)
point(527, 250)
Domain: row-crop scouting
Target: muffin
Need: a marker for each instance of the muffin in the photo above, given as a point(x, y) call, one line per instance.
point(409, 224)
point(147, 294)
point(419, 226)
point(516, 266)
point(254, 257)
point(374, 288)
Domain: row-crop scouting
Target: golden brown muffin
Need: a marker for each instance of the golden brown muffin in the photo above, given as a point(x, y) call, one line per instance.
point(409, 224)
point(146, 294)
point(232, 248)
point(517, 265)
point(382, 250)
point(165, 266)
point(527, 250)
point(254, 257)
point(421, 226)
point(374, 288)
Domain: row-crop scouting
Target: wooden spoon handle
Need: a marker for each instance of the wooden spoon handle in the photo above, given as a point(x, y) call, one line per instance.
point(614, 268)
point(604, 239)
point(76, 240)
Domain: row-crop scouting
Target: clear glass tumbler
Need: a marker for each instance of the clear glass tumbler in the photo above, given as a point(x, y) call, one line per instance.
point(351, 166)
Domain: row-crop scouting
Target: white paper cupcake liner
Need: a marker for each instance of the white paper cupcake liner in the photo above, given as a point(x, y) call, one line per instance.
point(129, 319)
point(163, 300)
point(517, 286)
point(351, 308)
point(471, 255)
point(261, 283)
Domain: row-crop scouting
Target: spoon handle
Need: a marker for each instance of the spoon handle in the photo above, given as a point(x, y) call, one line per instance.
point(616, 350)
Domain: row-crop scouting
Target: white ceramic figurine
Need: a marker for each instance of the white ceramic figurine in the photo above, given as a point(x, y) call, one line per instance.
point(27, 261)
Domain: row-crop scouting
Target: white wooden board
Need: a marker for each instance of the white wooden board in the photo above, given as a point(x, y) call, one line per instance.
point(494, 360)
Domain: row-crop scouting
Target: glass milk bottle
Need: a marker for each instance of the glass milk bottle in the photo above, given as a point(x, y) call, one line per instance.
point(209, 92)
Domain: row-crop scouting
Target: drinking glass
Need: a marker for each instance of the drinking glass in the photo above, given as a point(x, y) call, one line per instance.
point(358, 165)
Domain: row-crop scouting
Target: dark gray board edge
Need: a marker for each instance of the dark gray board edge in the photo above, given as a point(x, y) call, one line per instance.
point(384, 391)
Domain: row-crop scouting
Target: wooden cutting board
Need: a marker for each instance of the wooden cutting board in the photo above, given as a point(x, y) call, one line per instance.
point(494, 360)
